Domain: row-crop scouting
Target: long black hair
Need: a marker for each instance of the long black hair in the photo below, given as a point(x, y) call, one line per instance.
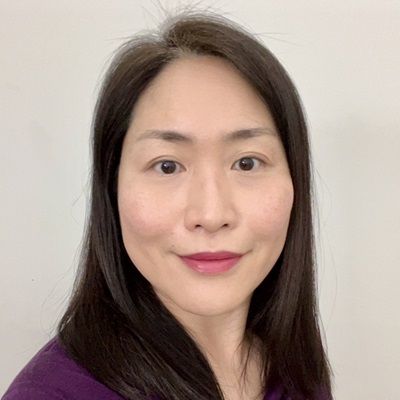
point(115, 326)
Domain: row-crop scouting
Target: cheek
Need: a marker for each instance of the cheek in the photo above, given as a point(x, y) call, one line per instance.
point(142, 215)
point(271, 218)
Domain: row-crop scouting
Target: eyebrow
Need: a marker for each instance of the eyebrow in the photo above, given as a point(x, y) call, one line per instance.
point(230, 137)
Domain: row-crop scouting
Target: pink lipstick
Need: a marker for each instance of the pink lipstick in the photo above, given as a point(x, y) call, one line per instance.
point(211, 263)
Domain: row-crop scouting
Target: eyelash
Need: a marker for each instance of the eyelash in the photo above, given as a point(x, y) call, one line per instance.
point(263, 163)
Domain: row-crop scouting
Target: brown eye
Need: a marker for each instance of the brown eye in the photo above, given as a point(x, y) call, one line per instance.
point(167, 166)
point(247, 163)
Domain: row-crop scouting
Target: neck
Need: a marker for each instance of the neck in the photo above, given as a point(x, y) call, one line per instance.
point(241, 379)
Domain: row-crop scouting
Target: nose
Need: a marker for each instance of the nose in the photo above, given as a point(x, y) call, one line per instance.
point(210, 201)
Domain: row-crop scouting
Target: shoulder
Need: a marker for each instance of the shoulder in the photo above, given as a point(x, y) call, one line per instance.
point(52, 375)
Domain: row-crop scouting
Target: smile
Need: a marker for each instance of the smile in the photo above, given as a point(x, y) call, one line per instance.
point(211, 267)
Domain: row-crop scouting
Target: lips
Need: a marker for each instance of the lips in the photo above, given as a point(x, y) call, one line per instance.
point(211, 263)
point(209, 256)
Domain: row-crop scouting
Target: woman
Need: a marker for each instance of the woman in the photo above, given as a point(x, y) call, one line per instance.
point(197, 273)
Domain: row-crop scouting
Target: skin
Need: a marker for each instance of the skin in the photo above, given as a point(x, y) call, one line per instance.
point(209, 203)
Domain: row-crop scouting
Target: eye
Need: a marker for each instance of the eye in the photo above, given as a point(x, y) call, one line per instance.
point(247, 162)
point(168, 166)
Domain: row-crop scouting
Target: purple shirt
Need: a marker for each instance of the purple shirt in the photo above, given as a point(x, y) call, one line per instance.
point(52, 375)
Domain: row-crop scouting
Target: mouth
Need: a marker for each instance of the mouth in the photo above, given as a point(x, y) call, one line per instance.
point(211, 266)
point(211, 256)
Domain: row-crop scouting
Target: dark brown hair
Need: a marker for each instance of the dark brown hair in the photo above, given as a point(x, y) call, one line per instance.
point(115, 326)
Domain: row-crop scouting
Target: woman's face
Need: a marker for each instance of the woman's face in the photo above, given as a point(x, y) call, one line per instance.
point(204, 198)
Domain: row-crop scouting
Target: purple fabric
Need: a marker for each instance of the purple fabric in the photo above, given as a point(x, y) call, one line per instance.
point(52, 375)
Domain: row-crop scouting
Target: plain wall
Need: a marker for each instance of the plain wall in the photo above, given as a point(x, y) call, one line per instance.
point(344, 59)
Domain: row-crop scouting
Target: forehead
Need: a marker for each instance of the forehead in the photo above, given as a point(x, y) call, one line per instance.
point(201, 94)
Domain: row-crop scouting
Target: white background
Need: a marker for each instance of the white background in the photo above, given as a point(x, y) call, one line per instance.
point(344, 57)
